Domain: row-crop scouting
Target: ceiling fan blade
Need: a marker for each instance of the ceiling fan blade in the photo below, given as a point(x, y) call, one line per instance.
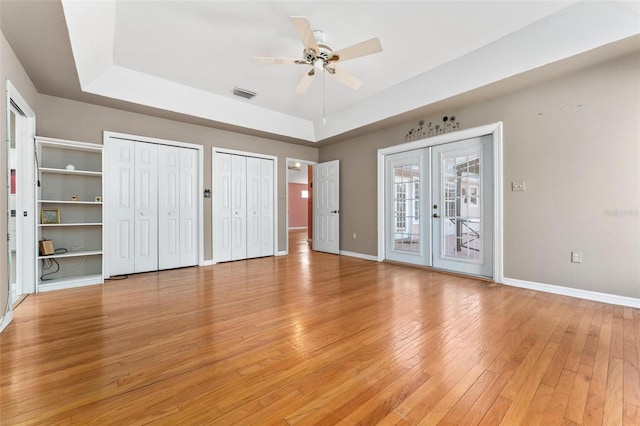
point(287, 61)
point(304, 84)
point(364, 48)
point(346, 78)
point(303, 27)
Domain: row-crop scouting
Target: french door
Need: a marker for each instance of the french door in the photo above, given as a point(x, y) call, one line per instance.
point(406, 184)
point(453, 229)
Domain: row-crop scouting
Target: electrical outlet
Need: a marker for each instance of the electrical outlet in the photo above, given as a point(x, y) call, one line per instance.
point(354, 235)
point(576, 257)
point(517, 186)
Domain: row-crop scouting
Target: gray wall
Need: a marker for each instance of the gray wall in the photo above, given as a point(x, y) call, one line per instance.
point(10, 68)
point(575, 141)
point(67, 119)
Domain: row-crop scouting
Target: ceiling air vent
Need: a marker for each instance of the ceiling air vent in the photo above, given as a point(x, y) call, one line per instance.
point(243, 93)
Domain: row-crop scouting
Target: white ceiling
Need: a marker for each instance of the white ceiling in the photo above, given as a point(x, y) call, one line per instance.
point(186, 57)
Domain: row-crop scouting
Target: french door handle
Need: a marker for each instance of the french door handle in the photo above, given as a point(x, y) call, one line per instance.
point(436, 215)
point(335, 211)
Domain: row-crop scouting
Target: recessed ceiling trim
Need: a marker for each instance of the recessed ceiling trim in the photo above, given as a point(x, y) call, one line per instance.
point(133, 86)
point(94, 53)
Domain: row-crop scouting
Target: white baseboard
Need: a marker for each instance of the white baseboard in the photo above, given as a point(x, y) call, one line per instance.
point(6, 320)
point(282, 253)
point(573, 292)
point(358, 255)
point(209, 262)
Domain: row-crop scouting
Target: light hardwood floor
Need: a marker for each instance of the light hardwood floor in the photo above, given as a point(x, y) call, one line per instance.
point(314, 338)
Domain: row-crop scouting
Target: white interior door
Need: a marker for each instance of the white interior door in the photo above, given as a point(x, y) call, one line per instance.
point(222, 212)
point(238, 207)
point(146, 207)
point(120, 197)
point(168, 208)
point(462, 198)
point(152, 196)
point(243, 207)
point(188, 205)
point(326, 207)
point(254, 210)
point(407, 185)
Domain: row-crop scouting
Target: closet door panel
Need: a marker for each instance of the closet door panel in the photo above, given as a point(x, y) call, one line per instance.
point(146, 207)
point(222, 207)
point(254, 243)
point(239, 207)
point(266, 208)
point(168, 208)
point(121, 207)
point(188, 205)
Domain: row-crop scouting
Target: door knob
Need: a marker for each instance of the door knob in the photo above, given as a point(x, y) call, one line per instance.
point(436, 215)
point(335, 211)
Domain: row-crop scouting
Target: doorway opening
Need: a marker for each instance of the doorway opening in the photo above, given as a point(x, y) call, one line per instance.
point(299, 199)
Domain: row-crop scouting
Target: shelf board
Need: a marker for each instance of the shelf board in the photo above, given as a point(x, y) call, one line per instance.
point(97, 203)
point(72, 254)
point(70, 282)
point(70, 145)
point(53, 225)
point(69, 172)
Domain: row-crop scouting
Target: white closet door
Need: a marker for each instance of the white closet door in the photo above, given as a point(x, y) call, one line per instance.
point(120, 197)
point(168, 208)
point(239, 207)
point(188, 204)
point(254, 207)
point(266, 208)
point(222, 212)
point(146, 207)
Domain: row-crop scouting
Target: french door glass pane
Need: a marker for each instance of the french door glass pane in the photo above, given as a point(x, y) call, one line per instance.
point(461, 237)
point(406, 184)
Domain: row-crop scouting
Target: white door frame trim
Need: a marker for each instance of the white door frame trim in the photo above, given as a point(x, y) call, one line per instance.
point(215, 150)
point(107, 135)
point(494, 130)
point(26, 228)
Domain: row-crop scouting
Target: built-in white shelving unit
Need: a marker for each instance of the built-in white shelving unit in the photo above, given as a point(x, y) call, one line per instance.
point(70, 191)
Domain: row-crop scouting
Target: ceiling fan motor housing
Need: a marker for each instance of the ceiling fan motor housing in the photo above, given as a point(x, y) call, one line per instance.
point(311, 56)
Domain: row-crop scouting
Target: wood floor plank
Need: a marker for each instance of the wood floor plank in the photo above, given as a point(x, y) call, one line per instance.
point(580, 390)
point(554, 412)
point(594, 409)
point(314, 338)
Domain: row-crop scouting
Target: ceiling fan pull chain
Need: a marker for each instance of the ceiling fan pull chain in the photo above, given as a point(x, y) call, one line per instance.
point(324, 97)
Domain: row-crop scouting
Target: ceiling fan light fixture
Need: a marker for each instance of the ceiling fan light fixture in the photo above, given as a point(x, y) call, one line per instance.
point(243, 93)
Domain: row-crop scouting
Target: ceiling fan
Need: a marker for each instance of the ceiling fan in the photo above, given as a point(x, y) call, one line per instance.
point(319, 55)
